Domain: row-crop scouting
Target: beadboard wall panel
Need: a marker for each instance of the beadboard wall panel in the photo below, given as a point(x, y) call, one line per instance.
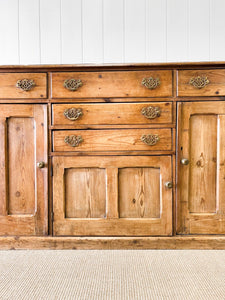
point(29, 32)
point(199, 43)
point(156, 30)
point(9, 32)
point(71, 31)
point(177, 29)
point(50, 35)
point(92, 34)
point(111, 31)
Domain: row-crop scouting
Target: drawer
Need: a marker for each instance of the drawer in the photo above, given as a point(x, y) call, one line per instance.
point(23, 85)
point(112, 84)
point(113, 114)
point(112, 140)
point(201, 83)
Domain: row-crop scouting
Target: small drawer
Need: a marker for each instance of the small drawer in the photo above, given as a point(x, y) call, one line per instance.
point(112, 84)
point(112, 113)
point(112, 140)
point(201, 83)
point(23, 85)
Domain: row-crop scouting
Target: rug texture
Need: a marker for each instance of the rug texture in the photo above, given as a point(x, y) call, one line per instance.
point(112, 274)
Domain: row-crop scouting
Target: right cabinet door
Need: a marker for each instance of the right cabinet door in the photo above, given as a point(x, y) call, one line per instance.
point(201, 168)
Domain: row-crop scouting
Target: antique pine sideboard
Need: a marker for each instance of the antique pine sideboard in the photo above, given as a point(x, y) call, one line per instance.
point(112, 156)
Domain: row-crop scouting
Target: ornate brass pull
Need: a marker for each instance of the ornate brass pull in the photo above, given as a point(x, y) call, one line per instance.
point(151, 83)
point(199, 82)
point(151, 112)
point(73, 113)
point(25, 84)
point(73, 140)
point(72, 84)
point(150, 139)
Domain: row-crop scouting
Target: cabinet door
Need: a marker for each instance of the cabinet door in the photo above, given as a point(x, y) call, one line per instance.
point(113, 195)
point(201, 168)
point(23, 186)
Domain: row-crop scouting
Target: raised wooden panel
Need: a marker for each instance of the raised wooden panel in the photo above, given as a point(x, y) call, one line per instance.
point(139, 193)
point(117, 174)
point(23, 186)
point(8, 87)
point(215, 86)
point(112, 140)
point(112, 84)
point(201, 185)
point(21, 168)
point(85, 193)
point(116, 113)
point(203, 163)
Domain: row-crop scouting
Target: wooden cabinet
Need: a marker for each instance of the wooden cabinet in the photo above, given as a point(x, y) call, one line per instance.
point(23, 185)
point(120, 156)
point(112, 196)
point(201, 168)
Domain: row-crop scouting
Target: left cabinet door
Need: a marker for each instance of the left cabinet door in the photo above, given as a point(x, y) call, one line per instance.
point(23, 184)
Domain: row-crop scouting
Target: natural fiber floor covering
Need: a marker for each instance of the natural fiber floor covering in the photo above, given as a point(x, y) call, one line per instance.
point(112, 274)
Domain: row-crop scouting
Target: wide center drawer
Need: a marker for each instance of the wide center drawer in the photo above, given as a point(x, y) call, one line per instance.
point(111, 84)
point(113, 114)
point(112, 140)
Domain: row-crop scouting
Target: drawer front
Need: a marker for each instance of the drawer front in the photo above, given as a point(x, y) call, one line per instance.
point(201, 83)
point(112, 140)
point(113, 114)
point(23, 85)
point(112, 84)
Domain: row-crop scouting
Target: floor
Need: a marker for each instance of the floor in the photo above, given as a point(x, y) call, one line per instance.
point(112, 274)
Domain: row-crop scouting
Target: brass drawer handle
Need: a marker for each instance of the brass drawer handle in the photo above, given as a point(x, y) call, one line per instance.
point(199, 82)
point(25, 84)
point(73, 113)
point(72, 84)
point(151, 83)
point(150, 139)
point(73, 140)
point(151, 112)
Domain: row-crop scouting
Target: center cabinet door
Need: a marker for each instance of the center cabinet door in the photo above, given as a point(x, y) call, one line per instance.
point(201, 168)
point(113, 195)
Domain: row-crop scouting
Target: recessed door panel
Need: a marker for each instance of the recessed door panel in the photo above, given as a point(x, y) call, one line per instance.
point(139, 192)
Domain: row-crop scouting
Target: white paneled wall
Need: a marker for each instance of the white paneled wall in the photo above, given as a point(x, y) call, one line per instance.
point(111, 31)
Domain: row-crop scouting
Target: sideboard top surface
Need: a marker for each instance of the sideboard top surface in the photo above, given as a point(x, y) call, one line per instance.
point(130, 66)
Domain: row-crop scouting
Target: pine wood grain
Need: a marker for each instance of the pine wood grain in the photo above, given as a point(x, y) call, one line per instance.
point(112, 225)
point(112, 140)
point(216, 86)
point(85, 193)
point(81, 243)
point(200, 184)
point(112, 84)
point(119, 114)
point(8, 87)
point(139, 193)
point(24, 187)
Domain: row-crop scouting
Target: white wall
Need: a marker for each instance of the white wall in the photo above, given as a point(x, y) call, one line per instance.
point(111, 31)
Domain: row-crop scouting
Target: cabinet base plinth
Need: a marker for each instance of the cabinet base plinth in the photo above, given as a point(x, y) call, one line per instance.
point(107, 243)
